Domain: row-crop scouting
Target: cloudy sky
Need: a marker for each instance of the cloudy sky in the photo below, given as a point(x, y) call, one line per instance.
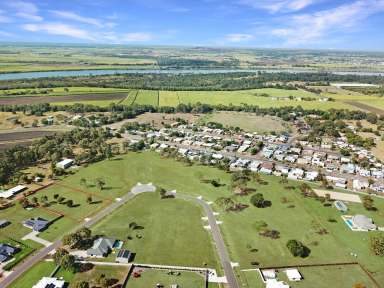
point(329, 24)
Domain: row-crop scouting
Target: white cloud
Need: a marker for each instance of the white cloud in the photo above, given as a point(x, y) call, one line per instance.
point(238, 37)
point(26, 10)
point(179, 10)
point(59, 29)
point(6, 34)
point(76, 17)
point(274, 6)
point(137, 37)
point(3, 18)
point(314, 27)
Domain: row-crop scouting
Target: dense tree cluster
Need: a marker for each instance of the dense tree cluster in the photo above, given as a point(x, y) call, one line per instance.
point(192, 81)
point(53, 149)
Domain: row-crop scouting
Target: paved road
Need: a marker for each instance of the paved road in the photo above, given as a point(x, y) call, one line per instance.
point(41, 254)
point(217, 238)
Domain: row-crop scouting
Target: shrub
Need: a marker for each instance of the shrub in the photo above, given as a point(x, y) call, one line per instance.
point(298, 249)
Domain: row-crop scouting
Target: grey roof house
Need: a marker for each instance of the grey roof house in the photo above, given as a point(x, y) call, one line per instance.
point(36, 224)
point(6, 251)
point(101, 247)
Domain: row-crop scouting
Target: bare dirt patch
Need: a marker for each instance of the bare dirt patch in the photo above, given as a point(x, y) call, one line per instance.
point(249, 122)
point(365, 107)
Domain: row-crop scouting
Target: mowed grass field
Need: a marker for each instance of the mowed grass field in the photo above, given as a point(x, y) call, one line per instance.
point(172, 231)
point(294, 217)
point(150, 277)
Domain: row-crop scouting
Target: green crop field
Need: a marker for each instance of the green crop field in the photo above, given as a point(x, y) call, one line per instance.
point(273, 98)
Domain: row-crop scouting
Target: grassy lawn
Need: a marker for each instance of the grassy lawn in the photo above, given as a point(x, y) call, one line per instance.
point(118, 274)
point(150, 277)
point(33, 275)
point(172, 231)
point(165, 220)
point(248, 122)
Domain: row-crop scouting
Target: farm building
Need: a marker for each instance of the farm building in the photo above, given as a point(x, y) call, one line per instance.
point(12, 192)
point(273, 283)
point(64, 164)
point(49, 282)
point(123, 256)
point(36, 224)
point(101, 247)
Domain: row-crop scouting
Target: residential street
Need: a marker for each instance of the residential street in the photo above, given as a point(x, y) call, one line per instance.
point(217, 238)
point(41, 254)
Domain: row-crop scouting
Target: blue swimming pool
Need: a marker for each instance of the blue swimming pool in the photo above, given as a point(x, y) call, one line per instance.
point(349, 223)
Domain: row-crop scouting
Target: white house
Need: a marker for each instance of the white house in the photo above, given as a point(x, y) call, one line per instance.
point(360, 184)
point(50, 282)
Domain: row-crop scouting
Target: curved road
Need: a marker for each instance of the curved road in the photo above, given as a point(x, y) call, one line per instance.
point(217, 238)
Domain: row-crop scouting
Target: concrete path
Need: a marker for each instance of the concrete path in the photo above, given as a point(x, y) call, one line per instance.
point(33, 236)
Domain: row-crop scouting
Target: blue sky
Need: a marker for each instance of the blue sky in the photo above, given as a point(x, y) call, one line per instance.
point(327, 24)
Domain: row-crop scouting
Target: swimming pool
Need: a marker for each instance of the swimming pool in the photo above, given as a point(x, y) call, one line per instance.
point(349, 223)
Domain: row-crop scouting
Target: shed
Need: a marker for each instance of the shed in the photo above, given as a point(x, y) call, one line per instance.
point(123, 256)
point(293, 274)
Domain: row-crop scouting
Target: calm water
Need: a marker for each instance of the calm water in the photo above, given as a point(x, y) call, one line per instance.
point(35, 75)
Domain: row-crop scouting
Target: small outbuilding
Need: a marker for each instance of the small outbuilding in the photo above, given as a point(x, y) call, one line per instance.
point(66, 163)
point(293, 275)
point(123, 256)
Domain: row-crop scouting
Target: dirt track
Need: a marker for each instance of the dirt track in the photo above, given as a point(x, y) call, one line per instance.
point(21, 100)
point(365, 107)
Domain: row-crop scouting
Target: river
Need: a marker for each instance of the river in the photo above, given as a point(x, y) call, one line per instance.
point(72, 73)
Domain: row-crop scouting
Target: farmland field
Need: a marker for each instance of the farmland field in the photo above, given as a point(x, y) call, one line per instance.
point(247, 122)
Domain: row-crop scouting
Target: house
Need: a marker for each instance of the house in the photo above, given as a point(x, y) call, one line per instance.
point(293, 275)
point(360, 184)
point(363, 223)
point(6, 251)
point(243, 148)
point(36, 224)
point(66, 163)
point(311, 175)
point(254, 166)
point(123, 256)
point(101, 247)
point(49, 282)
point(296, 173)
point(4, 223)
point(266, 168)
point(12, 192)
point(282, 169)
point(348, 168)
